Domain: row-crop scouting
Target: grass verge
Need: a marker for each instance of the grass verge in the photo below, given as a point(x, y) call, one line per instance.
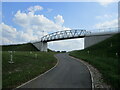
point(105, 57)
point(26, 66)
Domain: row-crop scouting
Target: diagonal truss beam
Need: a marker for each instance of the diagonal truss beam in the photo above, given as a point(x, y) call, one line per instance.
point(66, 34)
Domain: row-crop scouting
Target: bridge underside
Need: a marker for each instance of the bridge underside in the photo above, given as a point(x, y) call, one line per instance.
point(64, 38)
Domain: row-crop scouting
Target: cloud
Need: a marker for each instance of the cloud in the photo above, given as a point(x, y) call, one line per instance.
point(5, 41)
point(9, 33)
point(67, 45)
point(38, 22)
point(35, 8)
point(31, 27)
point(59, 19)
point(107, 24)
point(106, 21)
point(105, 16)
point(106, 2)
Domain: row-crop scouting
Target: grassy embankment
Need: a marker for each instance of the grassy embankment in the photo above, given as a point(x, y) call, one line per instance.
point(26, 65)
point(105, 57)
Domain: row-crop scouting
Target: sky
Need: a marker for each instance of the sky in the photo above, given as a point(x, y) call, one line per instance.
point(24, 22)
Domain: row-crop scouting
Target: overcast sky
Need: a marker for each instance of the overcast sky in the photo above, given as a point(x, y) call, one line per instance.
point(25, 21)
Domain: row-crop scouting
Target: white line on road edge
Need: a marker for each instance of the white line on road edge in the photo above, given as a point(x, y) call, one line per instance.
point(88, 69)
point(39, 75)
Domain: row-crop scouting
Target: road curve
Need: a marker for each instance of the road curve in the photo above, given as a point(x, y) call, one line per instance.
point(69, 73)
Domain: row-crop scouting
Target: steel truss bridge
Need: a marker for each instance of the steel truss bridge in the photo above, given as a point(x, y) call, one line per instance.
point(74, 33)
point(66, 34)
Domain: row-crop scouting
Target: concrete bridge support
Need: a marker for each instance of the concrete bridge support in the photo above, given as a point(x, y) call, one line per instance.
point(42, 46)
point(91, 40)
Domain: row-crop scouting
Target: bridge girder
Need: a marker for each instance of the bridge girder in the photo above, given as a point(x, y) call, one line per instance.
point(66, 34)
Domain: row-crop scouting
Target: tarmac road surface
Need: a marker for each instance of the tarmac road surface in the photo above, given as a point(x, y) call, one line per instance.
point(69, 73)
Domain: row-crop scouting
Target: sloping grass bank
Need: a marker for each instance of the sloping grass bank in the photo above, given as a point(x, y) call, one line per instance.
point(25, 67)
point(105, 57)
point(19, 47)
point(28, 63)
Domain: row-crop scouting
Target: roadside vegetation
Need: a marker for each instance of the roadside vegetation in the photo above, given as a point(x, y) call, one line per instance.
point(28, 63)
point(105, 57)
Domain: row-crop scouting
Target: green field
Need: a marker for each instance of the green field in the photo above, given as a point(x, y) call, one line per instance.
point(26, 65)
point(105, 57)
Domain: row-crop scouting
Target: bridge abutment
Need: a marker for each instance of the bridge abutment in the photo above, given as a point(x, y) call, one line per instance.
point(91, 40)
point(41, 46)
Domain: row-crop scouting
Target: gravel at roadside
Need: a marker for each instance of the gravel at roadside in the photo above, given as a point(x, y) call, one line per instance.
point(97, 79)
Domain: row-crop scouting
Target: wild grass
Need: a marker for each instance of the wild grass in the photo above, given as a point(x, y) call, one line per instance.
point(28, 63)
point(25, 67)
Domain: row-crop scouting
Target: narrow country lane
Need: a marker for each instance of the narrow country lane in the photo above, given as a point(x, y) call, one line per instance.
point(69, 73)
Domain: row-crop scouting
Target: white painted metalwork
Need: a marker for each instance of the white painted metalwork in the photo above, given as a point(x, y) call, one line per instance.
point(66, 34)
